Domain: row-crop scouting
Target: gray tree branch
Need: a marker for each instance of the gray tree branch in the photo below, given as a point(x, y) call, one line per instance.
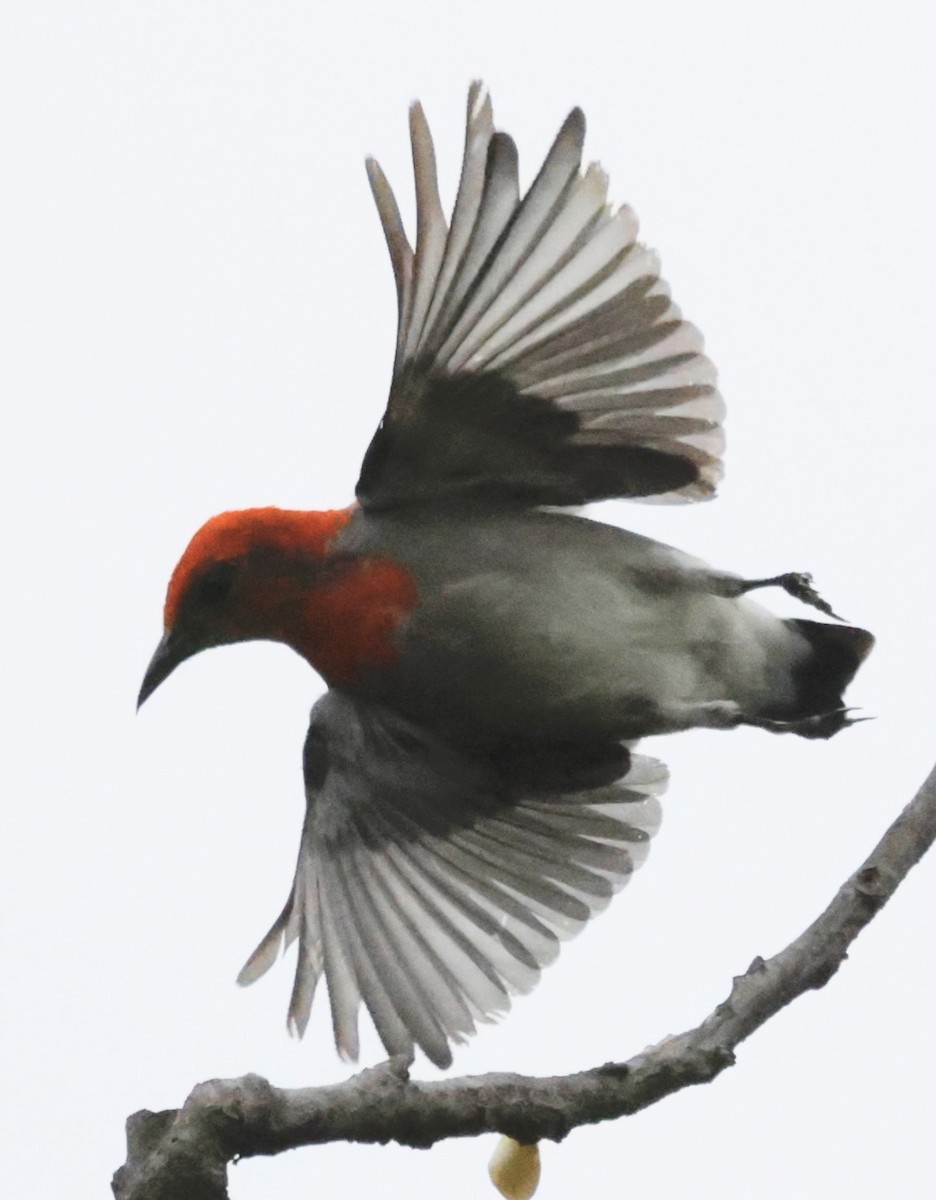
point(183, 1153)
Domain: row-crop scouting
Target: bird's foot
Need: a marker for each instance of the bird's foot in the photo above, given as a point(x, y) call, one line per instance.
point(797, 584)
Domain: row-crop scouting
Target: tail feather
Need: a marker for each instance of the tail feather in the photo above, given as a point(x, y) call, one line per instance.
point(821, 679)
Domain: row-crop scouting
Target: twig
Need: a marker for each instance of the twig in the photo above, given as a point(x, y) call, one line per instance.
point(183, 1153)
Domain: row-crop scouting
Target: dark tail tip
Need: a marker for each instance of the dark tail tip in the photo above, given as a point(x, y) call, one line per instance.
point(837, 653)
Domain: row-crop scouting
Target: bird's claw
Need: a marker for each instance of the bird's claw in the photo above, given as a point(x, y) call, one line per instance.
point(821, 725)
point(799, 584)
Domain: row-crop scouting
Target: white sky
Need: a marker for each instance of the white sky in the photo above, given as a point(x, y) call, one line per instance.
point(199, 315)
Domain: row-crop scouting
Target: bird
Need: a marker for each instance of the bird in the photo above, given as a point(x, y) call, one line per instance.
point(491, 653)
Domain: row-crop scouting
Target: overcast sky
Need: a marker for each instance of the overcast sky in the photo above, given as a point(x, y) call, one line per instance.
point(199, 315)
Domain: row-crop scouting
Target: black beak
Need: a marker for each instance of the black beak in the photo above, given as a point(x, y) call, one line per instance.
point(171, 651)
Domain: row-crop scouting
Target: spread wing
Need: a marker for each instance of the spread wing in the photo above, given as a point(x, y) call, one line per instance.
point(539, 357)
point(426, 891)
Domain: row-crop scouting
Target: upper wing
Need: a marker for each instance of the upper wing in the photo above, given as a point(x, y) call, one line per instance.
point(426, 891)
point(539, 358)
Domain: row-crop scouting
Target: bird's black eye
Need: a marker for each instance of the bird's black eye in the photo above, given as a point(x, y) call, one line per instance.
point(216, 584)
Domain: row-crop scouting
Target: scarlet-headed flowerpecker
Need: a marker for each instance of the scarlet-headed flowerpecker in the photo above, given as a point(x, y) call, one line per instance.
point(472, 794)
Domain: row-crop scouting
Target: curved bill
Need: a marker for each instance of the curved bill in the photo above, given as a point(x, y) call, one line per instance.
point(171, 651)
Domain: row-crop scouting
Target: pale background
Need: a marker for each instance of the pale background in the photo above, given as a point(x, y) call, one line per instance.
point(199, 316)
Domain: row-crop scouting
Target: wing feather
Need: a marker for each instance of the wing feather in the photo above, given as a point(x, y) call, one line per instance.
point(500, 197)
point(344, 992)
point(549, 297)
point(311, 955)
point(414, 1014)
point(431, 229)
point(401, 253)
point(428, 892)
point(349, 933)
point(527, 226)
point(479, 130)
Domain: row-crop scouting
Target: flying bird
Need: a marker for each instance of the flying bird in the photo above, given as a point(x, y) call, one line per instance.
point(473, 796)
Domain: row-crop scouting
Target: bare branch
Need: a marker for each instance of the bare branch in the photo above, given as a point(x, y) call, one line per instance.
point(185, 1152)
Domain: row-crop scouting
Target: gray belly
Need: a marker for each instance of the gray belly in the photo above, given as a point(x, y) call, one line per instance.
point(546, 625)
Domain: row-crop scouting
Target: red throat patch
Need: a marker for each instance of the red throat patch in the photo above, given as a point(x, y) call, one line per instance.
point(352, 622)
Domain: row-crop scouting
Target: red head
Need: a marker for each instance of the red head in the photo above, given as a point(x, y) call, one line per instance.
point(270, 574)
point(244, 575)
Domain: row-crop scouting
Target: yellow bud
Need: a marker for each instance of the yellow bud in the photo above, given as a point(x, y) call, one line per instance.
point(515, 1169)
